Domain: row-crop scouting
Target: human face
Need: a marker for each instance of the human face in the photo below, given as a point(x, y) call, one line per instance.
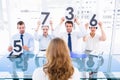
point(68, 27)
point(21, 28)
point(45, 30)
point(93, 29)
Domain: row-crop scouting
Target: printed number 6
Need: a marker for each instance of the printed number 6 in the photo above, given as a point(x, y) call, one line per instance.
point(93, 21)
point(71, 10)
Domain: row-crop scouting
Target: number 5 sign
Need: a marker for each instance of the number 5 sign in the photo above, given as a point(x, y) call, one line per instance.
point(17, 47)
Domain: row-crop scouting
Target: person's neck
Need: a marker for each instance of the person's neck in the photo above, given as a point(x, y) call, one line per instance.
point(22, 33)
point(92, 34)
point(45, 35)
point(69, 32)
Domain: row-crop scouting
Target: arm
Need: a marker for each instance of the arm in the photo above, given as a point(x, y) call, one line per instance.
point(51, 25)
point(38, 25)
point(85, 37)
point(36, 36)
point(10, 47)
point(103, 35)
point(82, 30)
point(56, 31)
point(30, 46)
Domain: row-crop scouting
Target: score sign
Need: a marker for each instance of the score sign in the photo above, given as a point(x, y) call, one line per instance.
point(17, 47)
point(93, 21)
point(46, 16)
point(70, 13)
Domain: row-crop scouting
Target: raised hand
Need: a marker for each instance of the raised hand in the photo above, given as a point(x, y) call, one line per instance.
point(38, 25)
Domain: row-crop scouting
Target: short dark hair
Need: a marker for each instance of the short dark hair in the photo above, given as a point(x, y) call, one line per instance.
point(45, 26)
point(91, 27)
point(69, 22)
point(20, 23)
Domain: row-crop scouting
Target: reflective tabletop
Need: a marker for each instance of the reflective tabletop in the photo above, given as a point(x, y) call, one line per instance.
point(88, 65)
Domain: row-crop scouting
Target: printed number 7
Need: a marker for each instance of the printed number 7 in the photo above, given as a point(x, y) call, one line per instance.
point(46, 16)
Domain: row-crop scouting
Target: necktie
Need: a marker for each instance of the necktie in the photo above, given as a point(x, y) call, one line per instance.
point(21, 37)
point(69, 42)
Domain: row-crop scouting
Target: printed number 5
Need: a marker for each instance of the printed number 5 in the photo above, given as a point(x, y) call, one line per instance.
point(17, 46)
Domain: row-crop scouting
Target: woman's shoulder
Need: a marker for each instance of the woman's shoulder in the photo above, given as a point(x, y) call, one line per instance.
point(38, 74)
point(40, 69)
point(76, 75)
point(76, 70)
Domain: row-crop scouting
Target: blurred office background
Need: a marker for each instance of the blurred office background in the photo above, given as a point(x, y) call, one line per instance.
point(107, 11)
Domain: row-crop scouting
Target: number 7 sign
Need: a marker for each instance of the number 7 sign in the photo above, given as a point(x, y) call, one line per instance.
point(46, 16)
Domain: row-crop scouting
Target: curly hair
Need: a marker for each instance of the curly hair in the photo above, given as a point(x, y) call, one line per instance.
point(59, 65)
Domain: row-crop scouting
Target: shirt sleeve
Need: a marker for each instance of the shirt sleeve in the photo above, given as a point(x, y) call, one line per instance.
point(31, 44)
point(10, 42)
point(82, 32)
point(36, 36)
point(56, 32)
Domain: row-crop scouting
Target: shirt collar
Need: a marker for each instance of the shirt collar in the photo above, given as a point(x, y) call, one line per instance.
point(69, 33)
point(22, 34)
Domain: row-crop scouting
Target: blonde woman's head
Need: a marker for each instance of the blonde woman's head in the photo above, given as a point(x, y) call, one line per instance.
point(59, 65)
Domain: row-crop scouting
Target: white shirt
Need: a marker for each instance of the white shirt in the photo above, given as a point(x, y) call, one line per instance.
point(75, 36)
point(39, 74)
point(93, 43)
point(43, 41)
point(27, 39)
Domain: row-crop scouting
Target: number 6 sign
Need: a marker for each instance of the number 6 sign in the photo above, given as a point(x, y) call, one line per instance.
point(93, 21)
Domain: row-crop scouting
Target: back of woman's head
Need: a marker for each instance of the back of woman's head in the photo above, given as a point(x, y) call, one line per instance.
point(59, 65)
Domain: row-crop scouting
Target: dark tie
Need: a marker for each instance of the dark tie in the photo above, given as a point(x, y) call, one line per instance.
point(21, 37)
point(69, 42)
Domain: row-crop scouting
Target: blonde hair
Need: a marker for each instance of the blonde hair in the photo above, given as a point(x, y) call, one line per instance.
point(59, 65)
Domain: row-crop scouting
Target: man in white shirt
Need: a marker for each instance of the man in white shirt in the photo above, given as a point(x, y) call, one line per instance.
point(74, 36)
point(27, 46)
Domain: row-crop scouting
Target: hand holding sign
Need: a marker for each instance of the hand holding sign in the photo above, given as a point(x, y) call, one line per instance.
point(17, 47)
